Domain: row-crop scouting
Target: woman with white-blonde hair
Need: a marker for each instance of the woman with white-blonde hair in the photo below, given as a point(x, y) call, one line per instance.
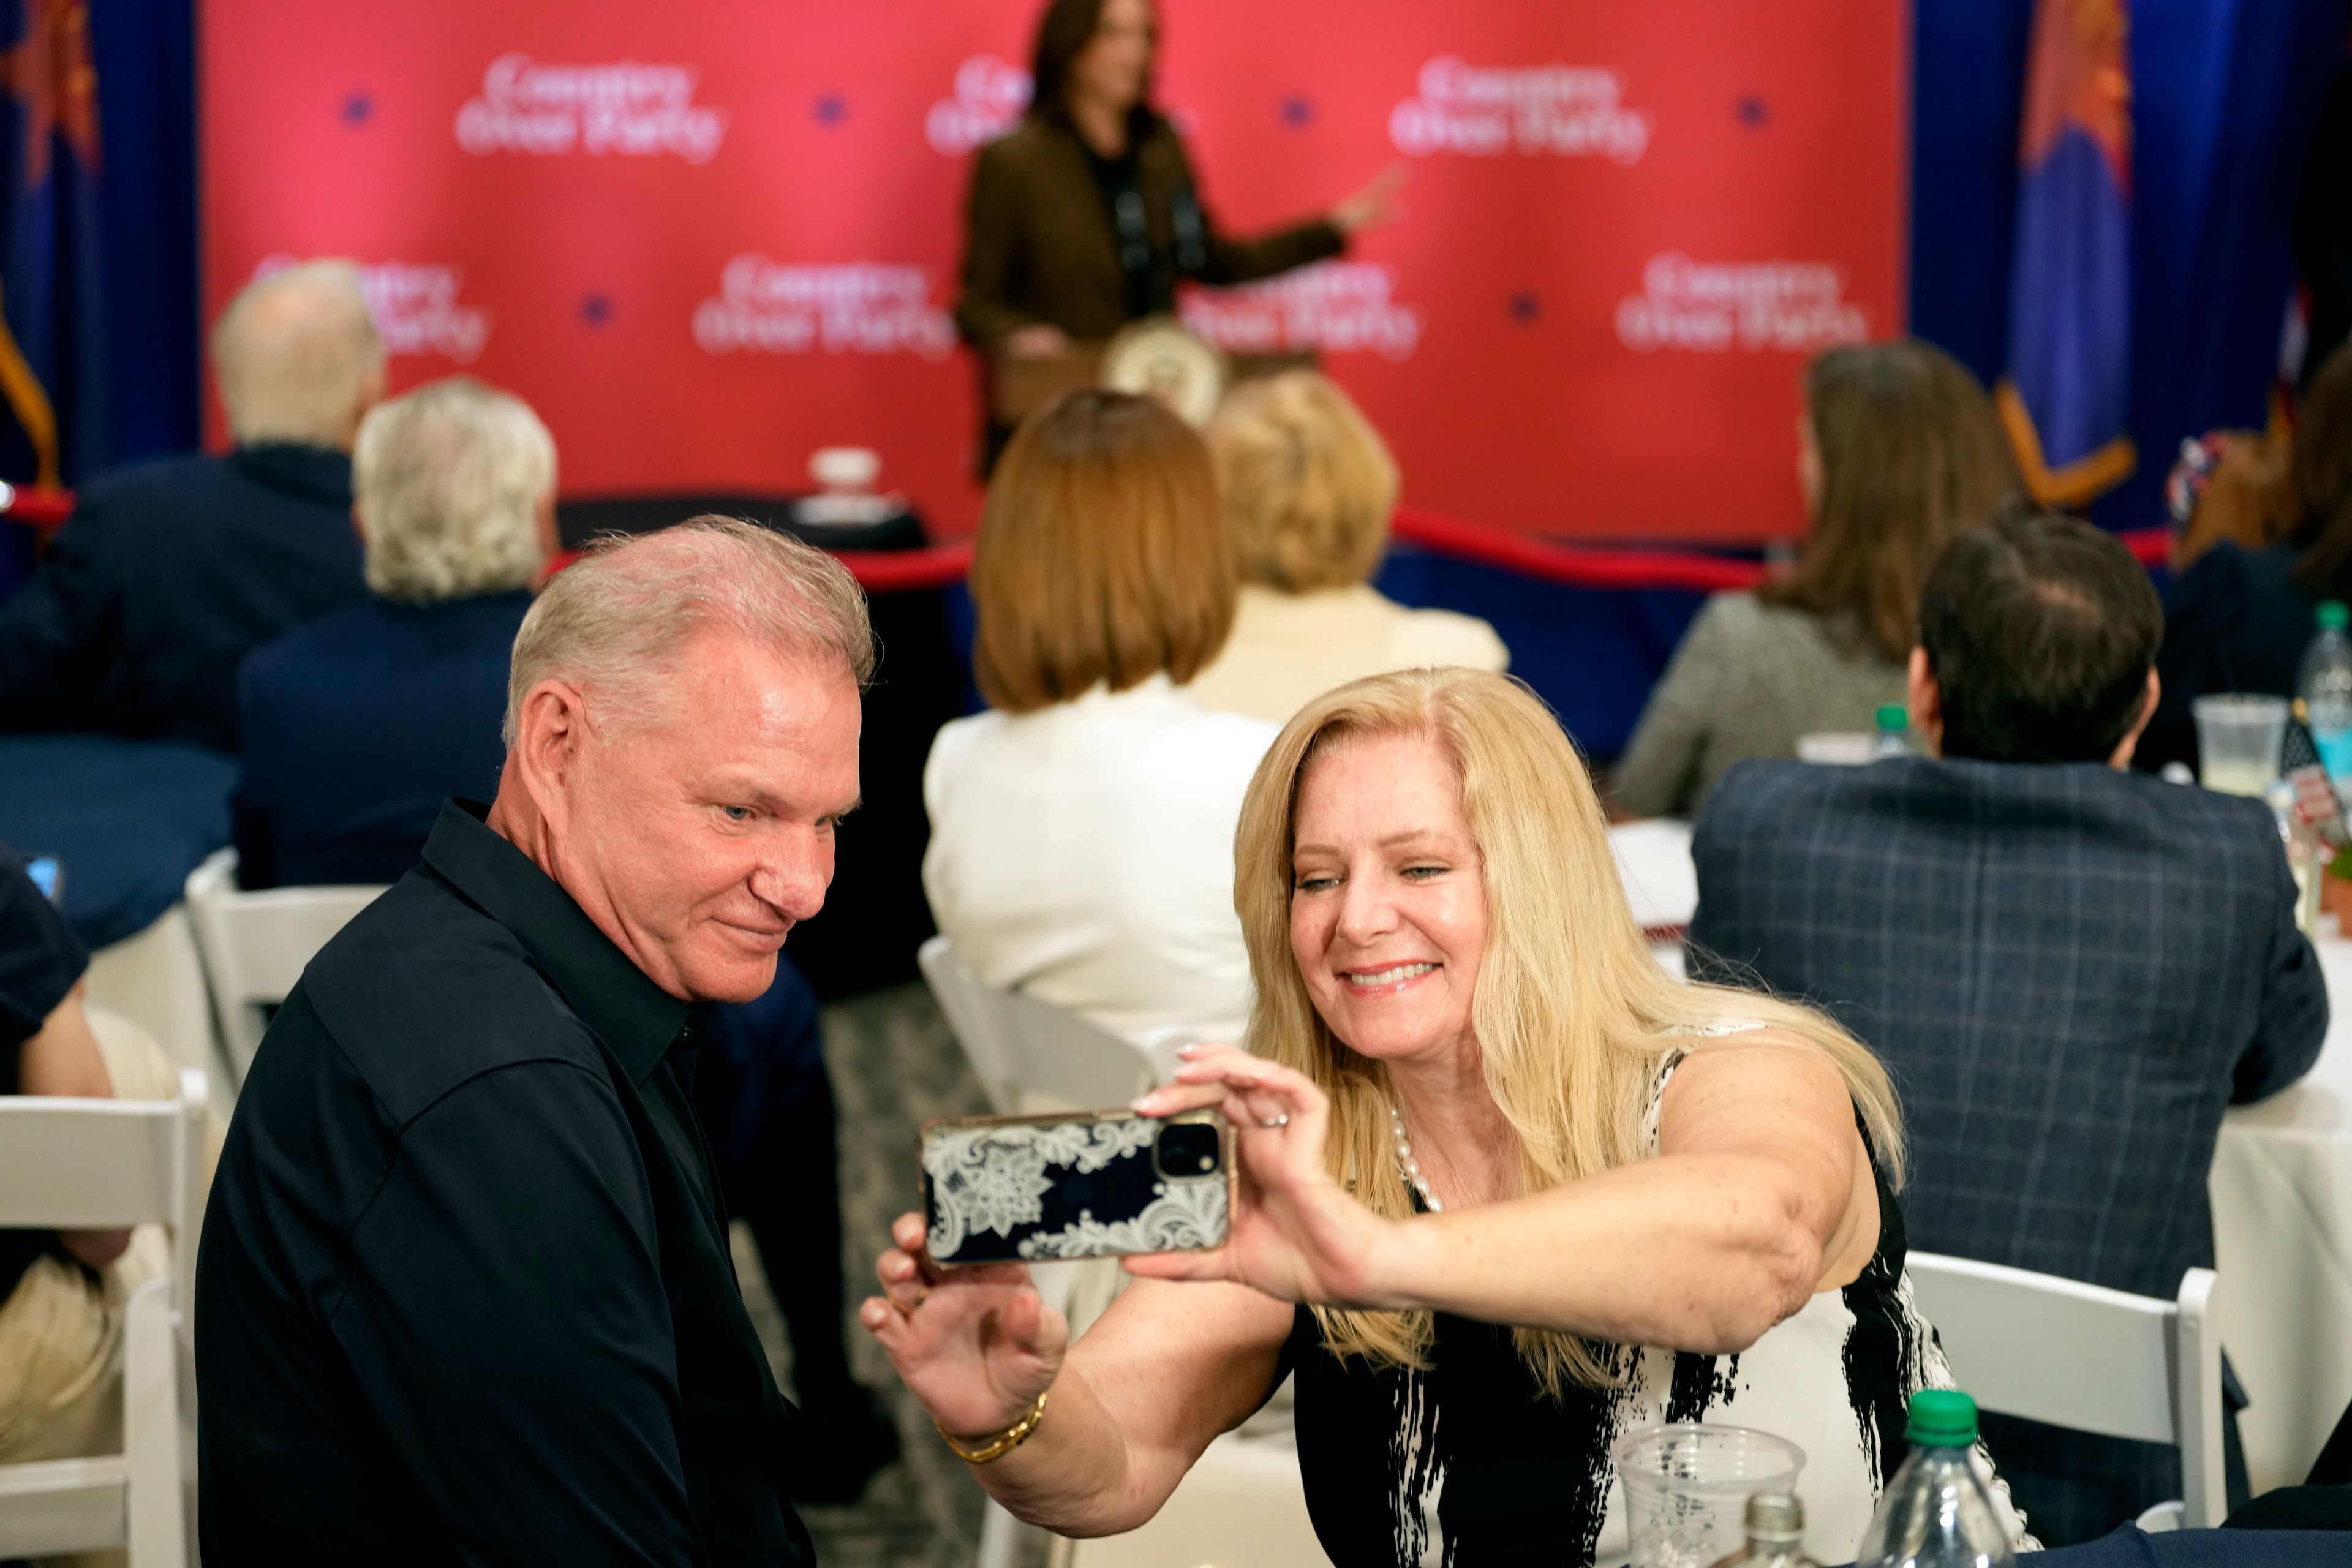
point(1507, 1191)
point(1309, 488)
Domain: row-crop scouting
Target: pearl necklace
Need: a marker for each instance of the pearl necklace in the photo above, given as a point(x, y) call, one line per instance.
point(1411, 1166)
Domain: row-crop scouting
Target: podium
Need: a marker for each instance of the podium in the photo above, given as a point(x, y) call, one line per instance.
point(1017, 387)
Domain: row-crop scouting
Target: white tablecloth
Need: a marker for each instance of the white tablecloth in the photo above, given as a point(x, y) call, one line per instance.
point(2282, 1188)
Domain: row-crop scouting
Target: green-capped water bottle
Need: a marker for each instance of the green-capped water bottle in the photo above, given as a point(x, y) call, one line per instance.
point(1894, 732)
point(1938, 1512)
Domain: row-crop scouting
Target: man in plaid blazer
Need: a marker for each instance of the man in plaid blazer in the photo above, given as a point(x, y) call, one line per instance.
point(2070, 969)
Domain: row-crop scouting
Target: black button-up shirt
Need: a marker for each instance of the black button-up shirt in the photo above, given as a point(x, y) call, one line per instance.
point(464, 1293)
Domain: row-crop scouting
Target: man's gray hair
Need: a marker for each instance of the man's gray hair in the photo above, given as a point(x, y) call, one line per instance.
point(294, 354)
point(449, 481)
point(614, 622)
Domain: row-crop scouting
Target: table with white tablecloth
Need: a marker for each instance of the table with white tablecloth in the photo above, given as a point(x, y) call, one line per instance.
point(2282, 1188)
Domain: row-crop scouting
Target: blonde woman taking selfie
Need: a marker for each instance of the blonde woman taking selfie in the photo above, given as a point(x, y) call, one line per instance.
point(1506, 1190)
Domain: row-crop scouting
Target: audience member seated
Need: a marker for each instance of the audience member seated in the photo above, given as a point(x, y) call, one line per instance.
point(1082, 832)
point(2070, 969)
point(167, 574)
point(1658, 1201)
point(1898, 448)
point(62, 1293)
point(1308, 485)
point(360, 727)
point(2240, 619)
point(468, 1287)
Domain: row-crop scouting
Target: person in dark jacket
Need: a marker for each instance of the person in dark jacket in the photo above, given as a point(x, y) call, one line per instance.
point(2072, 970)
point(1086, 216)
point(359, 727)
point(149, 596)
point(2240, 619)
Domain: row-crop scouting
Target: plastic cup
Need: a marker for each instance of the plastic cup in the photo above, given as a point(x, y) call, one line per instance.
point(1687, 1485)
point(2239, 739)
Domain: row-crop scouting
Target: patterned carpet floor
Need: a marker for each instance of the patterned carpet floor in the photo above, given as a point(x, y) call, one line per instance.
point(894, 1064)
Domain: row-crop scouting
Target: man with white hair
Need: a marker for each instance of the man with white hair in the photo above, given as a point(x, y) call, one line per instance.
point(465, 1291)
point(358, 726)
point(168, 573)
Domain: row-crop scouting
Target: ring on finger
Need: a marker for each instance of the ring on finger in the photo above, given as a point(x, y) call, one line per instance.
point(906, 1309)
point(1270, 1122)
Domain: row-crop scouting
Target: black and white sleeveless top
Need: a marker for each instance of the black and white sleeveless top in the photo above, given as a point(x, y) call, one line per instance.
point(1471, 1464)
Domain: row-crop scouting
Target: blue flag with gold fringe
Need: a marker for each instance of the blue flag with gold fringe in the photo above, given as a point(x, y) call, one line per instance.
point(52, 389)
point(2066, 398)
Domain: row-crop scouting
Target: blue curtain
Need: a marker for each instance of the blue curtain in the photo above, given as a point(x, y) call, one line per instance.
point(2223, 94)
point(145, 52)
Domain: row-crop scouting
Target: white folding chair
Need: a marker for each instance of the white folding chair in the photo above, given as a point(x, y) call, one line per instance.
point(2089, 1359)
point(1033, 1057)
point(254, 945)
point(95, 1164)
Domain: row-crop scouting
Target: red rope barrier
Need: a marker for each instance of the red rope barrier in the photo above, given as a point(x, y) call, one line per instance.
point(1580, 567)
point(1575, 566)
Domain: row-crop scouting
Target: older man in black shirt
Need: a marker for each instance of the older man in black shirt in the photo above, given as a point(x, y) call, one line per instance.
point(464, 1293)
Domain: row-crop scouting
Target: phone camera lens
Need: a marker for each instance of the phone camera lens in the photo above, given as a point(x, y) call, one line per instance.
point(1188, 1149)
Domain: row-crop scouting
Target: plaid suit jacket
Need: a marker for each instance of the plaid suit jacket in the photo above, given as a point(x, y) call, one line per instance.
point(2071, 972)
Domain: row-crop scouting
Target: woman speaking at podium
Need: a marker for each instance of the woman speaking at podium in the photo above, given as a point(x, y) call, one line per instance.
point(1085, 216)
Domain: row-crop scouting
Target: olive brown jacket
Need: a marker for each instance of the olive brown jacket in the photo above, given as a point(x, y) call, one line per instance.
point(1040, 245)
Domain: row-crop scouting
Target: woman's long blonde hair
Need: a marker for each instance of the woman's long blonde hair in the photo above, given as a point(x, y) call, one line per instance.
point(1573, 1015)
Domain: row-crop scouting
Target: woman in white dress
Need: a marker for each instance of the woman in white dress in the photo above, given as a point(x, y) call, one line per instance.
point(1082, 829)
point(1506, 1190)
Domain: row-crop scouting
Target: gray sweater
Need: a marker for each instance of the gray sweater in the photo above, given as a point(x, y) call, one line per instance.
point(1747, 680)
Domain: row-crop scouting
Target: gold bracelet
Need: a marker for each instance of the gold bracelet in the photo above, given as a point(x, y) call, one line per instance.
point(1003, 1442)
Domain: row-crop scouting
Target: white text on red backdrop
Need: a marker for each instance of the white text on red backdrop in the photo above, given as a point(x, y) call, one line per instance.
point(625, 107)
point(1567, 111)
point(790, 307)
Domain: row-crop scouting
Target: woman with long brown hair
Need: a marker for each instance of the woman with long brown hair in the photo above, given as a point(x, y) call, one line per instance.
point(1506, 1190)
point(1898, 446)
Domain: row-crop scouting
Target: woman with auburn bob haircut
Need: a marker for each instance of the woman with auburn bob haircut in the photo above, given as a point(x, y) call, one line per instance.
point(1082, 832)
point(1506, 1190)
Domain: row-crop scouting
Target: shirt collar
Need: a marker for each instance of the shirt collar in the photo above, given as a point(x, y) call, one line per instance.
point(320, 472)
point(637, 1019)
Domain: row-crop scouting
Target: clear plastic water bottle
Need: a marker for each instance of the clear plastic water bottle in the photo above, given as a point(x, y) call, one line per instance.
point(1938, 1511)
point(2324, 684)
point(1893, 732)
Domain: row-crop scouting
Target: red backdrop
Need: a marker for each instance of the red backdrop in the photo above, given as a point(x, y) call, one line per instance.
point(704, 239)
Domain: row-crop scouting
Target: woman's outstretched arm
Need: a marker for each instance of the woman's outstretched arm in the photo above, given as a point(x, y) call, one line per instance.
point(1762, 1195)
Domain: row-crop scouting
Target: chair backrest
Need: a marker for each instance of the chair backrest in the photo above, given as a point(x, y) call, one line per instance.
point(256, 945)
point(2090, 1359)
point(1653, 860)
point(82, 1164)
point(1030, 1055)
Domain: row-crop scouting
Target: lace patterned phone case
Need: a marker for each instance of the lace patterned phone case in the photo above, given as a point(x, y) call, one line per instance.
point(1006, 1189)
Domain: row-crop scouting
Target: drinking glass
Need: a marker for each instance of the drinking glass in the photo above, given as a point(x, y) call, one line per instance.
point(1687, 1488)
point(2239, 738)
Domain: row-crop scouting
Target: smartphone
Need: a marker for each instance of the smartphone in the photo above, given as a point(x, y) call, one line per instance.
point(46, 875)
point(1103, 1183)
